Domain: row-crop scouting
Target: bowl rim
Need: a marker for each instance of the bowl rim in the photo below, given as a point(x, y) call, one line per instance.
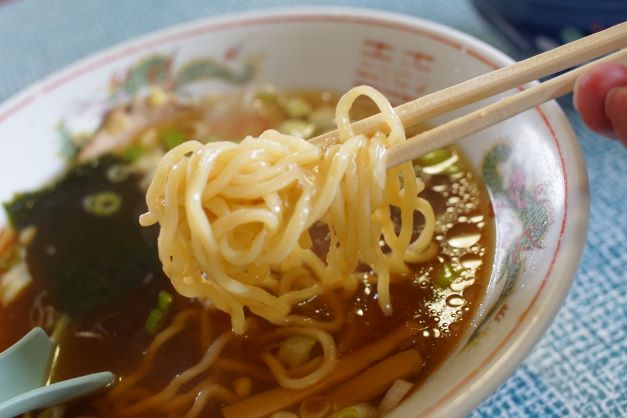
point(536, 318)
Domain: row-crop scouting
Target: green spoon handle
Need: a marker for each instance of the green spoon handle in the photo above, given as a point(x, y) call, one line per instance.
point(55, 393)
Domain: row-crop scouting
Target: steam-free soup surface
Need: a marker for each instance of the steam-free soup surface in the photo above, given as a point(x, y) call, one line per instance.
point(97, 283)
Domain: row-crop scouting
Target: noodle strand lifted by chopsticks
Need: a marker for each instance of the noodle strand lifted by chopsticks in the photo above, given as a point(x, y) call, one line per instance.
point(235, 217)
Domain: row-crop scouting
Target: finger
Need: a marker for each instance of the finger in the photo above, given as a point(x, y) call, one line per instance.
point(591, 90)
point(616, 112)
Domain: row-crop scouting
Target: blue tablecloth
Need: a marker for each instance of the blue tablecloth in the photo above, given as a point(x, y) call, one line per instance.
point(579, 369)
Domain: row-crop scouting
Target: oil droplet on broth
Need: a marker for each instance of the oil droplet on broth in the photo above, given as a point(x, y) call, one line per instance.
point(440, 182)
point(475, 218)
point(463, 235)
point(455, 301)
point(471, 261)
point(459, 286)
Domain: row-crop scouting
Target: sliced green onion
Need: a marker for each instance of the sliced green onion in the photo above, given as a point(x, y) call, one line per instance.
point(118, 173)
point(356, 411)
point(172, 137)
point(297, 107)
point(445, 276)
point(267, 95)
point(132, 153)
point(395, 394)
point(164, 300)
point(451, 169)
point(295, 350)
point(152, 322)
point(348, 413)
point(441, 161)
point(435, 157)
point(298, 128)
point(103, 203)
point(324, 118)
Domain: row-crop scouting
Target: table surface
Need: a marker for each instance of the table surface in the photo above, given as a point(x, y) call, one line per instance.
point(579, 368)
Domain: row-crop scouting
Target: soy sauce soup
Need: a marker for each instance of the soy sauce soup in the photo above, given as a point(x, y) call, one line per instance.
point(76, 262)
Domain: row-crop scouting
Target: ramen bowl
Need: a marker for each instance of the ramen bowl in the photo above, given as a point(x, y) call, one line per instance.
point(531, 164)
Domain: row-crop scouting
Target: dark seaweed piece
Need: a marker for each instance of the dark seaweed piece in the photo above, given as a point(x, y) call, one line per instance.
point(82, 259)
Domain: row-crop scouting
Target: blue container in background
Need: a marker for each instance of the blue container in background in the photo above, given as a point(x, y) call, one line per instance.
point(534, 26)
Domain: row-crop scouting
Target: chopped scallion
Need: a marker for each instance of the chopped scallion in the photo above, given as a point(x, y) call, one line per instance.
point(164, 301)
point(118, 173)
point(348, 413)
point(102, 204)
point(132, 153)
point(267, 95)
point(297, 127)
point(295, 350)
point(297, 107)
point(323, 118)
point(435, 157)
point(172, 137)
point(451, 169)
point(152, 322)
point(445, 276)
point(395, 394)
point(356, 411)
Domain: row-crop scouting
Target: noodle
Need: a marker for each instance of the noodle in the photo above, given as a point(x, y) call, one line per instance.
point(326, 367)
point(205, 394)
point(132, 400)
point(243, 368)
point(305, 321)
point(164, 336)
point(175, 384)
point(235, 217)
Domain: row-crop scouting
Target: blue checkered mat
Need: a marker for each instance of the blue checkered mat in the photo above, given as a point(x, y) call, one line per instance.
point(579, 369)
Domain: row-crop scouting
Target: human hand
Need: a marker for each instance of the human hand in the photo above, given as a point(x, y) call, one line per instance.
point(601, 99)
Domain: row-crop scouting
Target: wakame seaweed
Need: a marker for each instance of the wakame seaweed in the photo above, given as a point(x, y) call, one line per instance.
point(85, 259)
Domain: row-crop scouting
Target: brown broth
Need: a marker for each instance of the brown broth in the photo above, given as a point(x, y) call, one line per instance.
point(441, 295)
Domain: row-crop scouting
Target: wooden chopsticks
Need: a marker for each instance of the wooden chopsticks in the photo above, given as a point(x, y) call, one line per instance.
point(470, 123)
point(489, 84)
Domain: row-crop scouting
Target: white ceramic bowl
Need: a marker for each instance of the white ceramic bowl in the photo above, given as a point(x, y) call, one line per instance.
point(531, 163)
